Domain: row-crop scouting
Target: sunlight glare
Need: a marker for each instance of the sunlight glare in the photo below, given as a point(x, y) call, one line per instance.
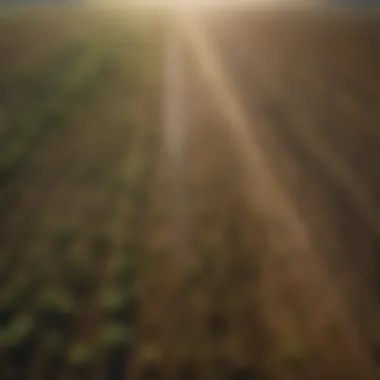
point(194, 4)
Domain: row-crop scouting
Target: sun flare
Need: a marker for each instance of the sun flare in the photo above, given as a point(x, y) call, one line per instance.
point(186, 4)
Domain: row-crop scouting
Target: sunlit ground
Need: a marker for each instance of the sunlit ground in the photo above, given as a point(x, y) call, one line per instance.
point(96, 221)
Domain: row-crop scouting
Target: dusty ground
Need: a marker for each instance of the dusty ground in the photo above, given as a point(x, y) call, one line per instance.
point(255, 258)
point(308, 87)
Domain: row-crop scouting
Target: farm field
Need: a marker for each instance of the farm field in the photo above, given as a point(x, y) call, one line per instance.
point(79, 140)
point(241, 246)
point(309, 88)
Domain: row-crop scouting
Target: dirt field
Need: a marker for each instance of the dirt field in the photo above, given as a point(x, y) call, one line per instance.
point(250, 254)
point(309, 88)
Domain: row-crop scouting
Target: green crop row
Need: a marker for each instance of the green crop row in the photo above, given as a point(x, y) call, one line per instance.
point(50, 96)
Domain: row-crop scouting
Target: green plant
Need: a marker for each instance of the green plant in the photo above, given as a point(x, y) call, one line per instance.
point(18, 339)
point(80, 356)
point(17, 333)
point(118, 304)
point(112, 301)
point(8, 305)
point(55, 301)
point(11, 299)
point(292, 348)
point(115, 337)
point(55, 307)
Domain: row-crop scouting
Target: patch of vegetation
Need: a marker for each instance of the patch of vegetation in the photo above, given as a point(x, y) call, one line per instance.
point(8, 306)
point(112, 301)
point(119, 305)
point(116, 337)
point(55, 307)
point(18, 338)
point(17, 332)
point(80, 356)
point(49, 94)
point(11, 299)
point(292, 348)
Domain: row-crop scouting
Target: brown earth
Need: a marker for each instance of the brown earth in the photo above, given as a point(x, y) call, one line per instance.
point(258, 258)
